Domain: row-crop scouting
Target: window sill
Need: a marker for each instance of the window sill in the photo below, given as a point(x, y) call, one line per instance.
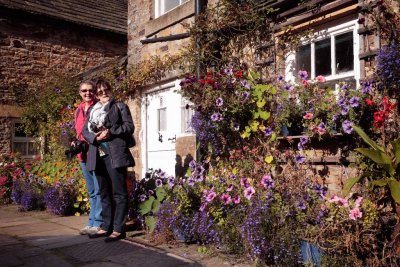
point(170, 18)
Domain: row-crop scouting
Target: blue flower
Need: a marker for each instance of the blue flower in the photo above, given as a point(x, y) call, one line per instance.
point(158, 183)
point(346, 125)
point(300, 159)
point(268, 131)
point(366, 87)
point(354, 101)
point(219, 102)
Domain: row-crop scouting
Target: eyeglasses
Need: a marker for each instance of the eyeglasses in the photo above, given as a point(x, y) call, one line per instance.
point(100, 92)
point(86, 91)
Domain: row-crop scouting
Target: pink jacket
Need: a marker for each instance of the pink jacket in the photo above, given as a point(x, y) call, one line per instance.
point(80, 118)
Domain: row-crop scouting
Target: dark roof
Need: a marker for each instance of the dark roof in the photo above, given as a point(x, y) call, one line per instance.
point(110, 15)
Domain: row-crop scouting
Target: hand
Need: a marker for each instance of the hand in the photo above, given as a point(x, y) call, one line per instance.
point(102, 135)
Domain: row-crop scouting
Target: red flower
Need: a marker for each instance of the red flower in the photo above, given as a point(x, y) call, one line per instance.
point(379, 118)
point(239, 74)
point(369, 102)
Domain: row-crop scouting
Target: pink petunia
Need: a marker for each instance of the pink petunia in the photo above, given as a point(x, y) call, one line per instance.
point(248, 192)
point(236, 199)
point(210, 196)
point(355, 214)
point(244, 182)
point(320, 79)
point(358, 202)
point(308, 116)
point(230, 188)
point(226, 199)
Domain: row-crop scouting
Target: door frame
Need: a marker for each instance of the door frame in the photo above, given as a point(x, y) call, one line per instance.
point(144, 105)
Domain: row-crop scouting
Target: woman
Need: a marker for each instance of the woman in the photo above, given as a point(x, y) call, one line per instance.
point(108, 130)
point(86, 91)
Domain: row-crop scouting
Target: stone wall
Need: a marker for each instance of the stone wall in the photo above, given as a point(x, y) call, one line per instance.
point(5, 134)
point(33, 47)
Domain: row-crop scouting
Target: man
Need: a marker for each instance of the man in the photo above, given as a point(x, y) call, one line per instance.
point(86, 91)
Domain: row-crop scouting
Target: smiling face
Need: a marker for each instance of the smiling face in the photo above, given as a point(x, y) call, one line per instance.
point(103, 94)
point(86, 91)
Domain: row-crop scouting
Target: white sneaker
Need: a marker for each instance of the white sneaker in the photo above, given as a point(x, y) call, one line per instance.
point(85, 230)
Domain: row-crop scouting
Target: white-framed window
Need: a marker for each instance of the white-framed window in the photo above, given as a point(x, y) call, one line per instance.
point(332, 53)
point(163, 6)
point(187, 112)
point(22, 143)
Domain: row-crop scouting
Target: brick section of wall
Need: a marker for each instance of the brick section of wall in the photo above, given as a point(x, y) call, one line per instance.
point(136, 151)
point(5, 135)
point(33, 48)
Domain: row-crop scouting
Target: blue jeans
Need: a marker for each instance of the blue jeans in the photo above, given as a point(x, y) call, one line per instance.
point(95, 217)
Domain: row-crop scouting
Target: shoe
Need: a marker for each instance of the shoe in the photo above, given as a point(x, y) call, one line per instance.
point(115, 236)
point(99, 234)
point(85, 230)
point(93, 230)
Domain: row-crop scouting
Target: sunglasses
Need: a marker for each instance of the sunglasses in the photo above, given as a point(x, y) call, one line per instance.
point(100, 92)
point(86, 91)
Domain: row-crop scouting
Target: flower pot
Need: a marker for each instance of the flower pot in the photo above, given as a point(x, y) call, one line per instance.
point(310, 253)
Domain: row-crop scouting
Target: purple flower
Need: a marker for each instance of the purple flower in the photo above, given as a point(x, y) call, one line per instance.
point(335, 117)
point(230, 188)
point(151, 192)
point(236, 199)
point(341, 102)
point(190, 181)
point(267, 182)
point(171, 181)
point(303, 140)
point(142, 197)
point(203, 206)
point(354, 101)
point(192, 165)
point(300, 159)
point(366, 87)
point(303, 74)
point(244, 182)
point(346, 125)
point(344, 110)
point(69, 107)
point(236, 126)
point(320, 190)
point(228, 71)
point(245, 96)
point(267, 131)
point(301, 205)
point(279, 78)
point(345, 86)
point(233, 177)
point(248, 192)
point(216, 116)
point(245, 84)
point(219, 102)
point(288, 87)
point(57, 90)
point(158, 183)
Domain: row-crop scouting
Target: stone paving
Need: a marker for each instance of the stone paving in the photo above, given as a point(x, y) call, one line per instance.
point(41, 239)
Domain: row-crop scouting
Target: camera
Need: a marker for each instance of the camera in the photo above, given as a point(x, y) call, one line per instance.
point(75, 150)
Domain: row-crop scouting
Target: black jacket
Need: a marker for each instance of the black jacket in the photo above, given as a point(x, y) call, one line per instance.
point(119, 122)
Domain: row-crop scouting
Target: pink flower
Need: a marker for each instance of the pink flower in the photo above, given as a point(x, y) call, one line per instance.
point(304, 82)
point(236, 199)
point(244, 182)
point(3, 180)
point(340, 201)
point(248, 192)
point(210, 196)
point(355, 213)
point(226, 199)
point(358, 202)
point(320, 79)
point(203, 206)
point(308, 116)
point(229, 188)
point(267, 182)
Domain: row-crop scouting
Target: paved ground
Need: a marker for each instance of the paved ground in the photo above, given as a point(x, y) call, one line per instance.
point(41, 239)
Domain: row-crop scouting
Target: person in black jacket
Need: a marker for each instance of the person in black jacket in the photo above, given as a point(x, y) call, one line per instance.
point(108, 129)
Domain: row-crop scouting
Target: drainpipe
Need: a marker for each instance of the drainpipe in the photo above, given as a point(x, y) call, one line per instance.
point(199, 7)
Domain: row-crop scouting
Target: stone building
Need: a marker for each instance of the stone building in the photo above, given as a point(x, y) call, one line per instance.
point(41, 38)
point(156, 27)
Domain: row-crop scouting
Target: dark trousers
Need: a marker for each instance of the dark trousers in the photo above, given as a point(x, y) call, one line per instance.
point(114, 194)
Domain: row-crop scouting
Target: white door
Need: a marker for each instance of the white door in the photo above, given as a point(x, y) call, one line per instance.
point(163, 124)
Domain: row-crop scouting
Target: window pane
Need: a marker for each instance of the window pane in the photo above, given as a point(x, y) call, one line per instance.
point(186, 114)
point(344, 52)
point(20, 147)
point(162, 119)
point(32, 149)
point(170, 4)
point(303, 58)
point(323, 57)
